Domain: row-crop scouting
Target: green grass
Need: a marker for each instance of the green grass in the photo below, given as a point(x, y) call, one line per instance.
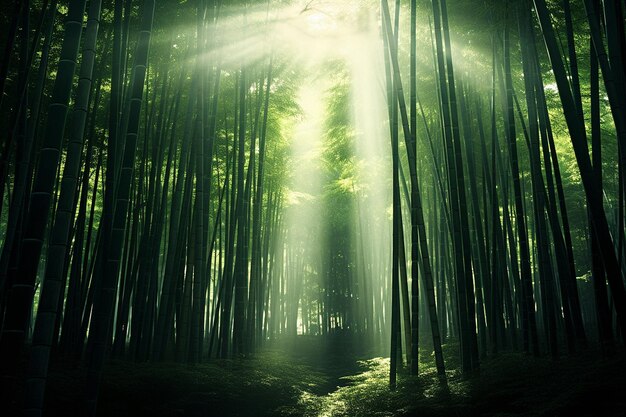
point(509, 385)
point(311, 378)
point(240, 387)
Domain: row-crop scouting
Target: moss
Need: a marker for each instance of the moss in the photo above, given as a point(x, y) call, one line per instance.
point(310, 379)
point(509, 385)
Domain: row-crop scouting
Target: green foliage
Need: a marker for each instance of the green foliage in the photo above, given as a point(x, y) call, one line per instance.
point(310, 383)
point(239, 387)
point(334, 274)
point(502, 389)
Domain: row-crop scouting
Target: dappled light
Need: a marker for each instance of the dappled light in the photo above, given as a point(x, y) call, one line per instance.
point(282, 208)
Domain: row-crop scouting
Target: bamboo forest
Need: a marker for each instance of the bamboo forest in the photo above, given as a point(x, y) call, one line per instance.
point(318, 208)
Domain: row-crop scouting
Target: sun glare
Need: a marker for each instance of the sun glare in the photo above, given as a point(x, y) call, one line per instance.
point(343, 33)
point(312, 39)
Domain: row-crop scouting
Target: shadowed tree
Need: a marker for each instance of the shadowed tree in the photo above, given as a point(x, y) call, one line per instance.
point(19, 304)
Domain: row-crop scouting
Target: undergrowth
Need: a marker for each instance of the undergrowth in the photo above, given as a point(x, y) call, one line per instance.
point(313, 382)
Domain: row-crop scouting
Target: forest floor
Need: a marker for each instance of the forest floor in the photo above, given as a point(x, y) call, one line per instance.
point(314, 378)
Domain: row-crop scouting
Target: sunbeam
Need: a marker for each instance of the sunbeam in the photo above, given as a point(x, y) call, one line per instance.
point(319, 208)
